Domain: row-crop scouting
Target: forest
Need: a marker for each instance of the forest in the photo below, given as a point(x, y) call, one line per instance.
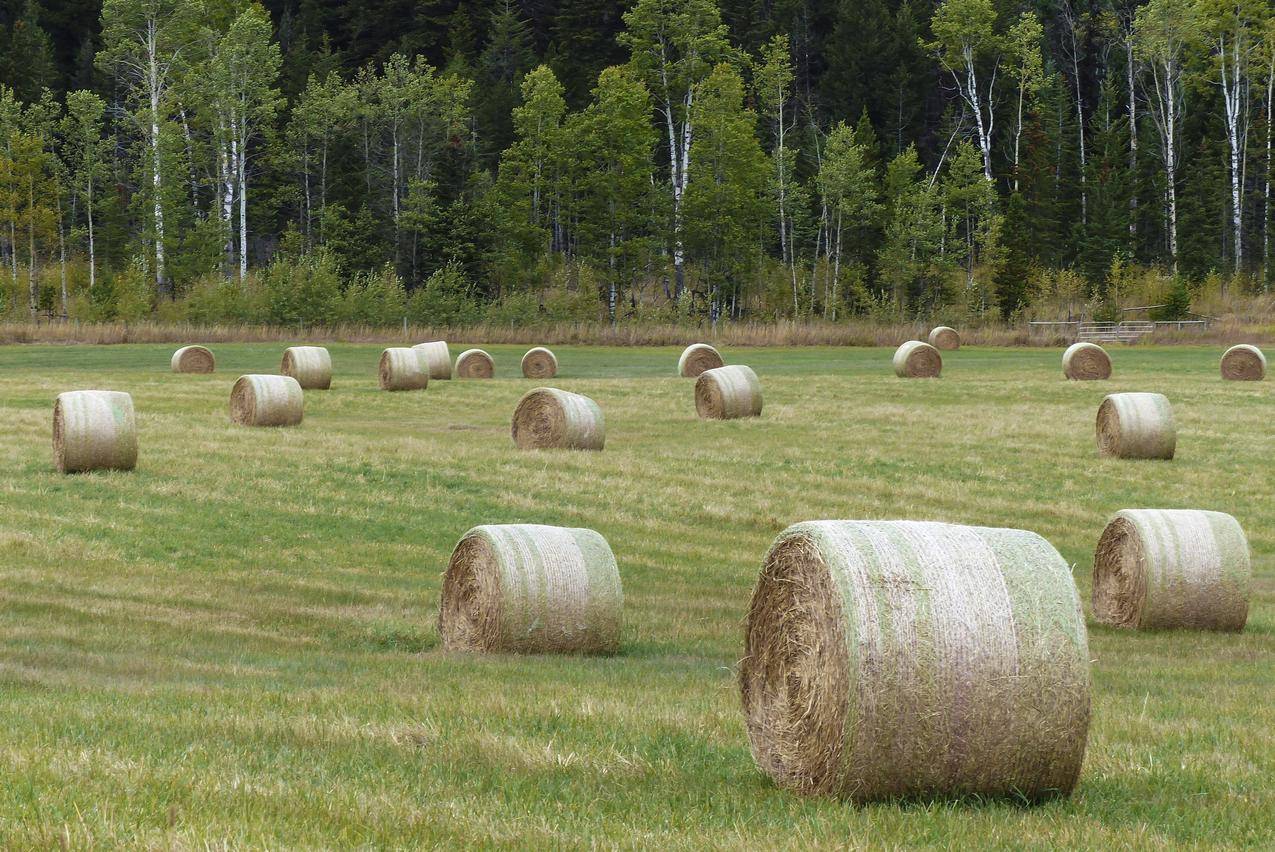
point(464, 161)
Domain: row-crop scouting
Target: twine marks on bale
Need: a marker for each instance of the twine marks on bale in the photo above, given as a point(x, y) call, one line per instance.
point(402, 369)
point(727, 393)
point(1086, 362)
point(944, 337)
point(311, 366)
point(474, 364)
point(94, 430)
point(1136, 426)
point(261, 400)
point(1244, 363)
point(436, 358)
point(917, 360)
point(697, 358)
point(539, 363)
point(193, 359)
point(548, 418)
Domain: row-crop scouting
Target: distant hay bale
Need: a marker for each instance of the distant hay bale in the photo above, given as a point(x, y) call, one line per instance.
point(697, 358)
point(261, 400)
point(945, 338)
point(1136, 426)
point(917, 360)
point(436, 358)
point(474, 364)
point(311, 366)
point(531, 589)
point(402, 369)
point(1172, 568)
point(94, 430)
point(727, 393)
point(1085, 362)
point(887, 659)
point(1244, 363)
point(539, 363)
point(193, 359)
point(548, 418)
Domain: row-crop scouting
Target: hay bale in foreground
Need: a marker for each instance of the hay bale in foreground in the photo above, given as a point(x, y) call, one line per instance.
point(1172, 568)
point(1244, 363)
point(474, 364)
point(548, 418)
point(917, 360)
point(727, 393)
point(402, 369)
point(193, 359)
point(311, 366)
point(697, 358)
point(1086, 361)
point(1136, 426)
point(539, 363)
point(944, 337)
point(261, 400)
point(531, 589)
point(437, 359)
point(94, 430)
point(887, 659)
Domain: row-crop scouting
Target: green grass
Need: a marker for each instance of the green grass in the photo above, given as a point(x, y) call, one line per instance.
point(236, 644)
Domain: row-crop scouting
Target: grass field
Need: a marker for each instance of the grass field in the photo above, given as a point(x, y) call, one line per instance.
point(235, 645)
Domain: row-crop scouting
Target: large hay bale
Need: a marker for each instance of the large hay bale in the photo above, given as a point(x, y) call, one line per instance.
point(917, 360)
point(261, 400)
point(944, 337)
point(1244, 363)
point(889, 659)
point(697, 358)
point(531, 589)
point(311, 366)
point(539, 363)
point(402, 369)
point(474, 364)
point(193, 359)
point(1136, 426)
point(1172, 568)
point(548, 418)
point(94, 430)
point(728, 392)
point(1086, 361)
point(437, 359)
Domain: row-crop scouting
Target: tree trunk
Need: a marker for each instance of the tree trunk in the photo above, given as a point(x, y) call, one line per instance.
point(242, 174)
point(157, 183)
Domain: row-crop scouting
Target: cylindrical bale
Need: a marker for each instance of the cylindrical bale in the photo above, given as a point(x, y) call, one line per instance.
point(539, 363)
point(944, 337)
point(402, 369)
point(531, 589)
point(1136, 426)
point(697, 358)
point(727, 393)
point(193, 359)
point(548, 418)
point(1172, 568)
point(436, 358)
point(475, 364)
point(311, 366)
point(261, 400)
point(1244, 363)
point(1086, 361)
point(892, 659)
point(917, 359)
point(94, 430)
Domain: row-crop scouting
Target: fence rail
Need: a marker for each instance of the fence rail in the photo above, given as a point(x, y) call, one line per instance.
point(1129, 331)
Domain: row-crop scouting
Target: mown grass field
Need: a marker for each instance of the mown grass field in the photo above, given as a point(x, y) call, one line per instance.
point(235, 645)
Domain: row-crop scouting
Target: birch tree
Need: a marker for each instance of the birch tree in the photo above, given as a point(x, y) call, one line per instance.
point(847, 185)
point(86, 152)
point(965, 44)
point(1027, 66)
point(773, 81)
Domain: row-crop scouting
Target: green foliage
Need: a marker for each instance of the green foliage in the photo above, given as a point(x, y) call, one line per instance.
point(1178, 304)
point(302, 291)
point(445, 299)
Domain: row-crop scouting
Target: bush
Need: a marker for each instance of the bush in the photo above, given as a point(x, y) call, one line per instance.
point(446, 298)
point(517, 309)
point(1177, 305)
point(376, 299)
point(305, 290)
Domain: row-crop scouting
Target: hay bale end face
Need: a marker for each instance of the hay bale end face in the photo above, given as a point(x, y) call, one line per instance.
point(697, 358)
point(531, 589)
point(888, 659)
point(548, 418)
point(193, 359)
point(917, 360)
point(539, 363)
point(94, 430)
point(261, 400)
point(1172, 568)
point(311, 366)
point(474, 364)
point(1244, 363)
point(726, 393)
point(1086, 362)
point(945, 338)
point(437, 359)
point(1136, 426)
point(402, 369)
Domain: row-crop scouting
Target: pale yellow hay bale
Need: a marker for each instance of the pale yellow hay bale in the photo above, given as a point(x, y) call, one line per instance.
point(261, 400)
point(437, 359)
point(539, 363)
point(1086, 361)
point(311, 366)
point(1136, 426)
point(917, 360)
point(402, 369)
point(1244, 363)
point(94, 430)
point(193, 359)
point(548, 418)
point(943, 337)
point(726, 393)
point(475, 364)
point(697, 358)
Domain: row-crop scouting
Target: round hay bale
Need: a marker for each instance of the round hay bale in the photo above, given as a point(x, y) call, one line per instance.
point(1172, 568)
point(474, 364)
point(1136, 426)
point(891, 659)
point(436, 358)
point(193, 359)
point(531, 589)
point(944, 337)
point(726, 393)
point(1244, 363)
point(1085, 362)
point(539, 363)
point(94, 430)
point(311, 366)
point(548, 418)
point(917, 360)
point(697, 358)
point(402, 369)
point(261, 400)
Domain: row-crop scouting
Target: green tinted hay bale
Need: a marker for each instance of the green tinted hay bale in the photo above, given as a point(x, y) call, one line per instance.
point(1244, 363)
point(943, 337)
point(726, 393)
point(539, 363)
point(94, 430)
point(697, 358)
point(311, 366)
point(1136, 426)
point(193, 359)
point(260, 400)
point(917, 360)
point(402, 369)
point(474, 364)
point(548, 418)
point(437, 359)
point(1086, 361)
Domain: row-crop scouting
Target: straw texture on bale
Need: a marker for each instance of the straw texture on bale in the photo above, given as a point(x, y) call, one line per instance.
point(402, 369)
point(892, 659)
point(944, 337)
point(474, 364)
point(917, 359)
point(539, 363)
point(1172, 568)
point(1136, 426)
point(1085, 362)
point(727, 393)
point(94, 430)
point(548, 418)
point(531, 589)
point(1244, 363)
point(311, 366)
point(194, 359)
point(436, 358)
point(261, 400)
point(697, 358)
